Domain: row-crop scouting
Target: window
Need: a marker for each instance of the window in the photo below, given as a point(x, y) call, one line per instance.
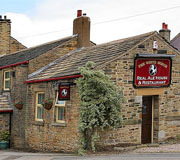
point(60, 110)
point(39, 107)
point(7, 80)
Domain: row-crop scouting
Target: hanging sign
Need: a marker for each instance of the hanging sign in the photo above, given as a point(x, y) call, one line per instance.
point(64, 92)
point(152, 72)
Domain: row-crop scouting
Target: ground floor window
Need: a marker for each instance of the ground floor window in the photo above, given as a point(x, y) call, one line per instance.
point(39, 108)
point(60, 110)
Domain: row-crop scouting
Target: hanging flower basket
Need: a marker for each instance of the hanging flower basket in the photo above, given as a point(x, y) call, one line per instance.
point(47, 104)
point(18, 104)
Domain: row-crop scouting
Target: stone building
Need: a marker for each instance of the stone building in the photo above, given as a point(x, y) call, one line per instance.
point(145, 68)
point(15, 68)
point(8, 45)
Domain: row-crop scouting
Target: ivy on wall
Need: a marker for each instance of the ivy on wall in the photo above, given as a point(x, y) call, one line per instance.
point(100, 105)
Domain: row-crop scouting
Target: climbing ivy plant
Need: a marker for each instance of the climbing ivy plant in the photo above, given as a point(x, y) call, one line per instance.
point(100, 105)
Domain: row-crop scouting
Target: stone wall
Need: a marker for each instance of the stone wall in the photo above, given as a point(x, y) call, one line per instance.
point(5, 32)
point(8, 44)
point(18, 92)
point(166, 105)
point(4, 122)
point(15, 45)
point(52, 55)
point(50, 135)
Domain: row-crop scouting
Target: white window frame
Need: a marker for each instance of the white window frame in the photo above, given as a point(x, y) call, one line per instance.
point(37, 105)
point(7, 80)
point(57, 106)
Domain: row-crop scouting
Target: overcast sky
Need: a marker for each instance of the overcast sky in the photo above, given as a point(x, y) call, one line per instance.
point(39, 21)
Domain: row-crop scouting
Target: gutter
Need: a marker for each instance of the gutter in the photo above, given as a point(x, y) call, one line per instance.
point(6, 111)
point(16, 64)
point(54, 79)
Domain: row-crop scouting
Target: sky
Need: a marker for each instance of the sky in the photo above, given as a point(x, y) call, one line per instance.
point(39, 21)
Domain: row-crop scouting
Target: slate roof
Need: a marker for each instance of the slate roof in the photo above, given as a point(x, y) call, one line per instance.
point(175, 42)
point(4, 104)
point(100, 54)
point(31, 53)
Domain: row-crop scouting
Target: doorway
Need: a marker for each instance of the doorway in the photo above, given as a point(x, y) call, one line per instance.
point(146, 132)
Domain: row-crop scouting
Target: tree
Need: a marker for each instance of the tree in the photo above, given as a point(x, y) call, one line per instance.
point(100, 104)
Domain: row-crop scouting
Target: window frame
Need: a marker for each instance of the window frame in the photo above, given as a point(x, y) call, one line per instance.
point(7, 79)
point(38, 105)
point(57, 106)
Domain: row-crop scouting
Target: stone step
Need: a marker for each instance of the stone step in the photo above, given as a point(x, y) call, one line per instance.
point(130, 148)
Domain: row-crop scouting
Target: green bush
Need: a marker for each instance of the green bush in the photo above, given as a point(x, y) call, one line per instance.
point(4, 136)
point(100, 105)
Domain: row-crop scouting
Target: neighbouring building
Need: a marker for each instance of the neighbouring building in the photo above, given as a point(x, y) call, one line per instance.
point(8, 45)
point(145, 67)
point(176, 41)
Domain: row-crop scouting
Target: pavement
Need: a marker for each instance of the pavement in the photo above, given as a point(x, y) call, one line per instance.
point(146, 152)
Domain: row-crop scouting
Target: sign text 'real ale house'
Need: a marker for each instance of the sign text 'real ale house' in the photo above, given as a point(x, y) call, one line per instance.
point(152, 72)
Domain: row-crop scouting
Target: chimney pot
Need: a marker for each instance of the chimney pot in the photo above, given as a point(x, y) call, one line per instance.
point(166, 26)
point(79, 13)
point(165, 32)
point(5, 17)
point(163, 25)
point(84, 14)
point(0, 17)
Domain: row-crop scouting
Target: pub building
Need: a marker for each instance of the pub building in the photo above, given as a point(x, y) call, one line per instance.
point(146, 68)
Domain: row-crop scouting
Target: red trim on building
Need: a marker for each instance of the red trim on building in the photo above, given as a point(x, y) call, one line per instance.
point(54, 79)
point(16, 64)
point(6, 111)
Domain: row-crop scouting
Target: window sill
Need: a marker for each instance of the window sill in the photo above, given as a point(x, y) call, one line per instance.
point(6, 90)
point(38, 123)
point(59, 124)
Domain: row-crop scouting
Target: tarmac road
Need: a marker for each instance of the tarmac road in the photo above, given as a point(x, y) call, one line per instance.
point(14, 155)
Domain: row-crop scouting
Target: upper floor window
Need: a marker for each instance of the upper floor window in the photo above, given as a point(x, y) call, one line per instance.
point(7, 80)
point(39, 108)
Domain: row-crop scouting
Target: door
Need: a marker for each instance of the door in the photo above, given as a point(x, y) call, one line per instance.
point(146, 119)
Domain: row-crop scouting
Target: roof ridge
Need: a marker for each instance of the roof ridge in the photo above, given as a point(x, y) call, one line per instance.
point(122, 39)
point(43, 44)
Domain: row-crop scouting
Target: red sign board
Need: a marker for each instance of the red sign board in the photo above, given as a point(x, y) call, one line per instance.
point(152, 72)
point(64, 92)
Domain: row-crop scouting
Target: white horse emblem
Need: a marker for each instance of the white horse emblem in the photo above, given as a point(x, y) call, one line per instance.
point(64, 92)
point(152, 70)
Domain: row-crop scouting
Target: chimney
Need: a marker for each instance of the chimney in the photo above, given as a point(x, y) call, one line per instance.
point(165, 32)
point(81, 26)
point(5, 34)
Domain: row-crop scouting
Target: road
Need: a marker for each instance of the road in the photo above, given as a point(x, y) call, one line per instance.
point(10, 155)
